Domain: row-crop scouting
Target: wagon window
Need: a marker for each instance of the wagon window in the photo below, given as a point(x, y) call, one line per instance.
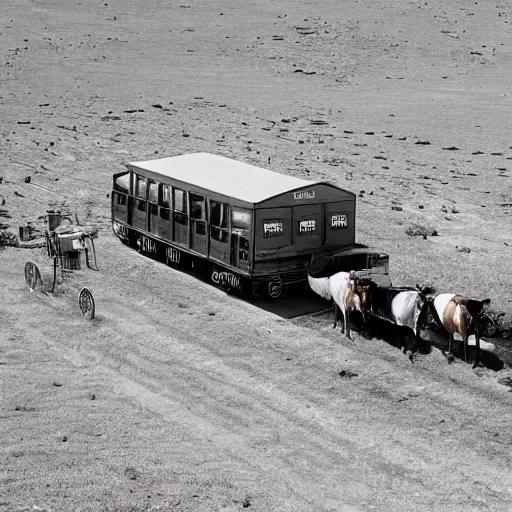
point(338, 221)
point(164, 196)
point(122, 184)
point(180, 201)
point(272, 228)
point(139, 188)
point(197, 207)
point(241, 219)
point(153, 192)
point(219, 214)
point(200, 228)
point(219, 221)
point(221, 235)
point(306, 227)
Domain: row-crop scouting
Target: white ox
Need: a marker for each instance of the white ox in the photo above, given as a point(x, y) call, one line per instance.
point(342, 288)
point(320, 285)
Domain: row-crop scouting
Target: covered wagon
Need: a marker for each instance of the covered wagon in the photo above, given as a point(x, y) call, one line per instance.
point(245, 227)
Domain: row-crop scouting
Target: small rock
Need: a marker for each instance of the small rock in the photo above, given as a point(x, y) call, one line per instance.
point(27, 179)
point(420, 206)
point(64, 439)
point(397, 208)
point(506, 381)
point(57, 384)
point(418, 230)
point(131, 473)
point(347, 374)
point(463, 249)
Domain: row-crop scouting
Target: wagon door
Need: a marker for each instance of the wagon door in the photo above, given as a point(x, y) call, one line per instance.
point(307, 227)
point(152, 206)
point(241, 235)
point(138, 204)
point(339, 223)
point(198, 236)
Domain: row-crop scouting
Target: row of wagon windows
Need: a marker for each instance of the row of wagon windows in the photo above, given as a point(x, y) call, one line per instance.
point(304, 227)
point(163, 196)
point(159, 194)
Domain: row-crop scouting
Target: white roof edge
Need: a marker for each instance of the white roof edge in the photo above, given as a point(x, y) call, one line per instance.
point(226, 176)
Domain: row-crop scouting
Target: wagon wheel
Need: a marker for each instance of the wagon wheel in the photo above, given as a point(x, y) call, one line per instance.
point(86, 303)
point(32, 275)
point(275, 288)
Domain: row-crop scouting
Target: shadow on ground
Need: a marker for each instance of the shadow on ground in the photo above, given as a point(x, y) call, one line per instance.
point(387, 332)
point(292, 304)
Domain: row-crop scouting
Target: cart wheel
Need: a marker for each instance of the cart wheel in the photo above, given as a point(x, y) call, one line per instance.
point(275, 288)
point(32, 276)
point(86, 303)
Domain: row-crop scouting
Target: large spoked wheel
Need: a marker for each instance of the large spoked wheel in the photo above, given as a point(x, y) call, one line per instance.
point(86, 303)
point(32, 276)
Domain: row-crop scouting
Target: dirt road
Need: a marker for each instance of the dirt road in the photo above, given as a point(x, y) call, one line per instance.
point(179, 397)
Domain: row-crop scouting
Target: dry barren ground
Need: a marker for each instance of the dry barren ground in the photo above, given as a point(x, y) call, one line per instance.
point(179, 397)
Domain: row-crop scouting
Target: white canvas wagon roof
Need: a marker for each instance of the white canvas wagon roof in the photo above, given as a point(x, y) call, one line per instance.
point(225, 176)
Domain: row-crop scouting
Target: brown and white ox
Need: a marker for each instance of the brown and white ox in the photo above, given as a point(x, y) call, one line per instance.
point(459, 314)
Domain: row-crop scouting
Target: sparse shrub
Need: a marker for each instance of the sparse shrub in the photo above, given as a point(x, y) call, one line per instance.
point(8, 239)
point(419, 230)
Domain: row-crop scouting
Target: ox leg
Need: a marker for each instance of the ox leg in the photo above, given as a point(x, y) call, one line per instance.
point(398, 334)
point(345, 323)
point(449, 354)
point(335, 315)
point(415, 348)
point(477, 347)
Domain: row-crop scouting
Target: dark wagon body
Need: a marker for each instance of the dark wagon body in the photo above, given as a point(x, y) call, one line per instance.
point(242, 224)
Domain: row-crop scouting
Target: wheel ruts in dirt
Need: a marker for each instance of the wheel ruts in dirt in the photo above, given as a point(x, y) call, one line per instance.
point(86, 303)
point(32, 276)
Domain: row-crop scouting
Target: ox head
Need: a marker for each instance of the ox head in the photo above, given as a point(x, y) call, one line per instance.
point(422, 308)
point(476, 308)
point(356, 304)
point(363, 295)
point(363, 289)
